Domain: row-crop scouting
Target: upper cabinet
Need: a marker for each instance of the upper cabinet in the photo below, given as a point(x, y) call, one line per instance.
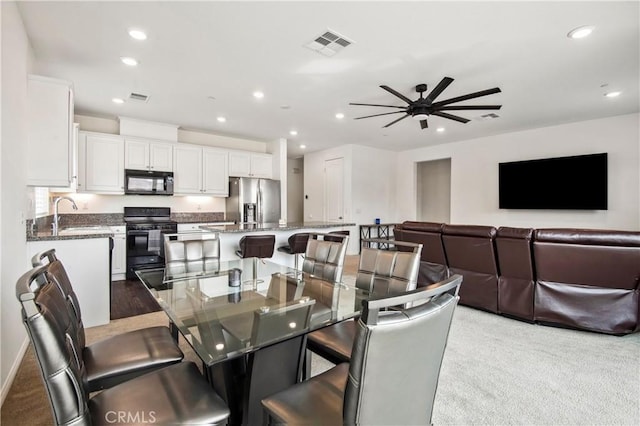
point(100, 163)
point(141, 154)
point(200, 170)
point(49, 132)
point(250, 164)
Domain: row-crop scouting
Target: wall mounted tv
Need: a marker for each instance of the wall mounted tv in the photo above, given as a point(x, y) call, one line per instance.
point(562, 183)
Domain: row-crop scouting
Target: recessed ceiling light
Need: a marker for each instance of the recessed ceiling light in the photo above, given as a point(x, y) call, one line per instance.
point(293, 132)
point(440, 129)
point(303, 146)
point(612, 94)
point(132, 62)
point(339, 116)
point(221, 119)
point(580, 32)
point(117, 101)
point(137, 34)
point(258, 95)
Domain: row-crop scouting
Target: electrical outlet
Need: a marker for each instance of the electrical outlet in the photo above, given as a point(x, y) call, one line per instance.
point(85, 206)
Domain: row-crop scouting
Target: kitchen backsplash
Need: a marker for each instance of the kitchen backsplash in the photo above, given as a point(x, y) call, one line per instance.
point(197, 217)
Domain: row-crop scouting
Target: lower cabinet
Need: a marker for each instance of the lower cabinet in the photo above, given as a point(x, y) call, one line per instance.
point(87, 264)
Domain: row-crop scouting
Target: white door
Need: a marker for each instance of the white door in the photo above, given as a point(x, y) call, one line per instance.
point(136, 155)
point(334, 190)
point(215, 172)
point(161, 157)
point(187, 170)
point(104, 166)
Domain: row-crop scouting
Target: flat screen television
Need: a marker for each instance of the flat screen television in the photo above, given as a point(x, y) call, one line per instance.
point(562, 183)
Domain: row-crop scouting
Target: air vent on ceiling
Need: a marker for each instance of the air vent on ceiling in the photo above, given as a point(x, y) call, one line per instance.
point(488, 116)
point(329, 43)
point(138, 97)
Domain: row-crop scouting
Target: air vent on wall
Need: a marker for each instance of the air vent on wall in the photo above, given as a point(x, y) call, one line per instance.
point(329, 43)
point(138, 97)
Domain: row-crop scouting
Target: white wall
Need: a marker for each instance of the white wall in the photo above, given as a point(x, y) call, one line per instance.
point(295, 190)
point(474, 174)
point(16, 63)
point(374, 185)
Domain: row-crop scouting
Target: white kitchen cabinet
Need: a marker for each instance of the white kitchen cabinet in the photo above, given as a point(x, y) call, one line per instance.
point(100, 163)
point(143, 154)
point(200, 170)
point(87, 264)
point(49, 132)
point(119, 254)
point(250, 164)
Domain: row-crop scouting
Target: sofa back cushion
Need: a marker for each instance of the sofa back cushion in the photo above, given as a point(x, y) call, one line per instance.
point(433, 262)
point(517, 279)
point(470, 252)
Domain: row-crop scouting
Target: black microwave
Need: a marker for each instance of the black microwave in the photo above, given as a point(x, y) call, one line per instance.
point(144, 182)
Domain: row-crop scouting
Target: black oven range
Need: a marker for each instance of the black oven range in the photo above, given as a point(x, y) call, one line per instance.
point(145, 241)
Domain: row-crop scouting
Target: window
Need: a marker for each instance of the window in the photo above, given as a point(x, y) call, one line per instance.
point(41, 201)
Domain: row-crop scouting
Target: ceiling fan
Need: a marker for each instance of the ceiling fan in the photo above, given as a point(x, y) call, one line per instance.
point(422, 107)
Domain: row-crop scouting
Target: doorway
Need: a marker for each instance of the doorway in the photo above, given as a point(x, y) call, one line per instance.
point(433, 188)
point(334, 190)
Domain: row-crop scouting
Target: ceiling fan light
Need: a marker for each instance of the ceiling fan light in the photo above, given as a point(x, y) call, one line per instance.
point(420, 116)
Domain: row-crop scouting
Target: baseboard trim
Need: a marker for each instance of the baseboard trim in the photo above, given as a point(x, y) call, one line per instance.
point(14, 369)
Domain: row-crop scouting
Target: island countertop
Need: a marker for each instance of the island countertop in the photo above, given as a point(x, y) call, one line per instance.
point(275, 226)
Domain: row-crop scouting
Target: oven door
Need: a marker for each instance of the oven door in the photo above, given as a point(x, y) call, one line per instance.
point(144, 250)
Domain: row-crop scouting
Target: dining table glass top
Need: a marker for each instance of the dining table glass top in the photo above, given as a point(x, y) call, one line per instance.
point(227, 309)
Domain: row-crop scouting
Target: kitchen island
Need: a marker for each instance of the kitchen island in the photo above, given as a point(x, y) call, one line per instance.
point(230, 235)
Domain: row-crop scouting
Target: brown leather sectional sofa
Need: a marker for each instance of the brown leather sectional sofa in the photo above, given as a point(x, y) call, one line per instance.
point(580, 278)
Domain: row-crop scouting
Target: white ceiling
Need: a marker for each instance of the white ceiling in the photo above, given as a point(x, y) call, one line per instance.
point(227, 50)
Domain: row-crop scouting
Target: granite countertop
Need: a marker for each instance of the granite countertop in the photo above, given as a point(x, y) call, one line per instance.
point(290, 226)
point(77, 233)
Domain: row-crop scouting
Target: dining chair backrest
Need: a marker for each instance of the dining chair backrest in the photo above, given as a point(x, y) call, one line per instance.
point(398, 353)
point(194, 252)
point(43, 312)
point(58, 275)
point(388, 272)
point(324, 258)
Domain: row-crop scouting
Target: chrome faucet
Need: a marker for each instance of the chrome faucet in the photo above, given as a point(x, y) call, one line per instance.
point(54, 225)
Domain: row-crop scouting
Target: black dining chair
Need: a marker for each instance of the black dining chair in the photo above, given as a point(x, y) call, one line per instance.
point(115, 359)
point(394, 370)
point(177, 394)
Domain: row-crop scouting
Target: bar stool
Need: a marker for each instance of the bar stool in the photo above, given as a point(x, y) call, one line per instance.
point(336, 236)
point(297, 245)
point(257, 247)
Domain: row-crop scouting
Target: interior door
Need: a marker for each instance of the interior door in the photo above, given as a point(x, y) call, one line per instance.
point(334, 190)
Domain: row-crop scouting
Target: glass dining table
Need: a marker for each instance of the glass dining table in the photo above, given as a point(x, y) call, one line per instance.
point(247, 322)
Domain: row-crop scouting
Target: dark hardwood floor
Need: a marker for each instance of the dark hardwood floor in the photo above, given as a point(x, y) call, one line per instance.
point(130, 298)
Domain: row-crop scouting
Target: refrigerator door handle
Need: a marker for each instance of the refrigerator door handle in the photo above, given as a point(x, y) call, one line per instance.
point(259, 216)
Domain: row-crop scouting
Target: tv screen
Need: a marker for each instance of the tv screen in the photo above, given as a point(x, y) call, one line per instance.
point(567, 183)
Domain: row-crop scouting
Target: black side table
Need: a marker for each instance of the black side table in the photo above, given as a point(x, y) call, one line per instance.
point(378, 230)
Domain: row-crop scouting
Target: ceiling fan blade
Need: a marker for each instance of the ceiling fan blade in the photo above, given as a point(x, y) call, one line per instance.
point(395, 121)
point(424, 124)
point(376, 115)
point(444, 83)
point(467, 107)
point(450, 116)
point(393, 92)
point(376, 105)
point(467, 97)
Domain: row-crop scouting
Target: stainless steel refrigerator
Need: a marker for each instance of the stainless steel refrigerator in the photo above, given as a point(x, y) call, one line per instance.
point(253, 200)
